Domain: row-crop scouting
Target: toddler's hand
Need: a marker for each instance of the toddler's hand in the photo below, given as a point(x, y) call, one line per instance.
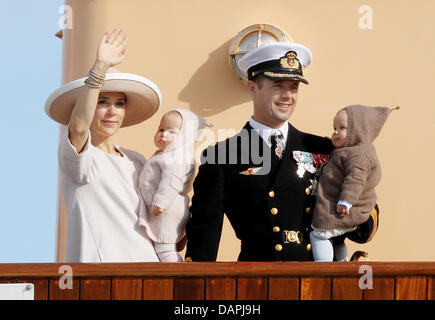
point(156, 211)
point(342, 210)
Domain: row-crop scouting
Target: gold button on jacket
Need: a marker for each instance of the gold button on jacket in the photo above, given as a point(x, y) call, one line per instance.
point(271, 194)
point(274, 211)
point(278, 247)
point(276, 229)
point(307, 191)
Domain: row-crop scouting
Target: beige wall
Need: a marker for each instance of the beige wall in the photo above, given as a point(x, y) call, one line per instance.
point(183, 47)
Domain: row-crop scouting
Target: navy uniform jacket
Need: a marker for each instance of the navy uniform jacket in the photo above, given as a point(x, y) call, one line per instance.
point(266, 211)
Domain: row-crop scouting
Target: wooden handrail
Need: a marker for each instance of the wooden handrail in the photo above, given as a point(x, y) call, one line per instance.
point(211, 269)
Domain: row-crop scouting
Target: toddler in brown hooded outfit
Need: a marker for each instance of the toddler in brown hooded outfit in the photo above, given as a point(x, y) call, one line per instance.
point(346, 189)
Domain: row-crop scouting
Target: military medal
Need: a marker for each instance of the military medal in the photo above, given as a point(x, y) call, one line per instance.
point(276, 143)
point(278, 151)
point(307, 161)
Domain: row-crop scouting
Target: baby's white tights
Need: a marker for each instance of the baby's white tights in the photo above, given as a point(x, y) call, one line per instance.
point(323, 250)
point(169, 256)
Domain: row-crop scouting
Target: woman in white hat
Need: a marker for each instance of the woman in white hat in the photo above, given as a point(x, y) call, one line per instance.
point(99, 179)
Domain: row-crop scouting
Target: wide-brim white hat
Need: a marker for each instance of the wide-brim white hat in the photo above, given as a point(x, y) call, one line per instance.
point(143, 97)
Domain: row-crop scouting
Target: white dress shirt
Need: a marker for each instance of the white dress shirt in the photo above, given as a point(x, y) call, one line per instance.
point(265, 132)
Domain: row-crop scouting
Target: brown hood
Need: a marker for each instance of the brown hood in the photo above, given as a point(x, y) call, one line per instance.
point(364, 123)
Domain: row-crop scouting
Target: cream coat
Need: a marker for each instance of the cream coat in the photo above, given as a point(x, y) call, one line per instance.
point(100, 191)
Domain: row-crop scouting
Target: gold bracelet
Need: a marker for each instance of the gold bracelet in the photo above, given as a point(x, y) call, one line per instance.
point(94, 80)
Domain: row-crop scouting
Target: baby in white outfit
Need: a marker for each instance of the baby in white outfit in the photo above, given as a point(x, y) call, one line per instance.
point(166, 179)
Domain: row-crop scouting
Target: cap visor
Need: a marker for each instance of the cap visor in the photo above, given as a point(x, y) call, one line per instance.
point(281, 76)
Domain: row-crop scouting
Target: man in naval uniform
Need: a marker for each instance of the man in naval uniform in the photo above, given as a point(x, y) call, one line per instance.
point(263, 177)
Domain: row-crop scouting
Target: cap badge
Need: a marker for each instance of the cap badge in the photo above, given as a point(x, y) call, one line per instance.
point(290, 61)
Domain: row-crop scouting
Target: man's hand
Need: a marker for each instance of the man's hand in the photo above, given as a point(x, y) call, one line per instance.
point(156, 211)
point(342, 210)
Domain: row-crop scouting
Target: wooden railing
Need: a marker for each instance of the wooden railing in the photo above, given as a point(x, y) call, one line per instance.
point(228, 280)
